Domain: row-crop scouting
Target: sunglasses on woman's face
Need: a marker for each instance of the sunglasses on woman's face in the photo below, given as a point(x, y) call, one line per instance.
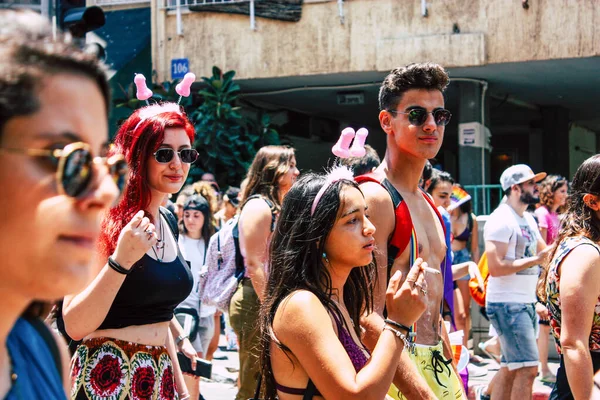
point(418, 116)
point(75, 166)
point(165, 155)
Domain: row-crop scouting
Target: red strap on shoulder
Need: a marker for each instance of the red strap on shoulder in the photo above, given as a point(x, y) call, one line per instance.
point(437, 212)
point(370, 177)
point(403, 224)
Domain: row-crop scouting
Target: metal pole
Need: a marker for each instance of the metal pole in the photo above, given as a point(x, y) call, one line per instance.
point(252, 16)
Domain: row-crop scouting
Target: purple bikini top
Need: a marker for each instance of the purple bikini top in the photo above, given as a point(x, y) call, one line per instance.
point(354, 351)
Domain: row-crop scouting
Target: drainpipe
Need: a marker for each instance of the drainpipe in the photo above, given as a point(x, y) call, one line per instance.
point(178, 17)
point(484, 88)
point(341, 11)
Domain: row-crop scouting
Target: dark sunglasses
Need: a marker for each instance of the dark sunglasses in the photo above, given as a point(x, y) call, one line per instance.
point(418, 116)
point(75, 165)
point(165, 155)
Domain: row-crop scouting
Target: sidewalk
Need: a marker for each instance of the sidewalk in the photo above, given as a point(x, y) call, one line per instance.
point(223, 386)
point(541, 390)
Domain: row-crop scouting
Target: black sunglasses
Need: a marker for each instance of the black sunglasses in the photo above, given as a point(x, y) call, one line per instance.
point(418, 116)
point(75, 165)
point(165, 155)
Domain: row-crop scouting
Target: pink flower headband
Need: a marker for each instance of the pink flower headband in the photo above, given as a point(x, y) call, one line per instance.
point(144, 93)
point(342, 150)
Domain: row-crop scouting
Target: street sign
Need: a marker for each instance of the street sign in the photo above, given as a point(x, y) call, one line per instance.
point(179, 67)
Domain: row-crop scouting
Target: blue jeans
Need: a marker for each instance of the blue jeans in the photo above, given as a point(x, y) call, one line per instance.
point(517, 325)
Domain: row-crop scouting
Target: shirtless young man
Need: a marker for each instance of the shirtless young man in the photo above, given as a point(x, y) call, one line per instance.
point(413, 117)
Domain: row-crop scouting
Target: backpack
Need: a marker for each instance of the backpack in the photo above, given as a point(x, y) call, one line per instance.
point(224, 267)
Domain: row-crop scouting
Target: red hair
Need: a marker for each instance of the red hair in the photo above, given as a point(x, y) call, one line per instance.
point(137, 140)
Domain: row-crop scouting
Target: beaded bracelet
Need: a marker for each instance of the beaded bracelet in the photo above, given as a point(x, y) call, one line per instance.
point(117, 267)
point(407, 345)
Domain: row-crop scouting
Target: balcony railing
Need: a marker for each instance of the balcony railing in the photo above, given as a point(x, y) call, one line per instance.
point(120, 2)
point(485, 198)
point(171, 4)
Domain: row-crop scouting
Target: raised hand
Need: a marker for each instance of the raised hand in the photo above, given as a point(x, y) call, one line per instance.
point(136, 238)
point(405, 303)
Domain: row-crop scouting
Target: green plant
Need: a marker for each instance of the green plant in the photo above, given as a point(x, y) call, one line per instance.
point(226, 140)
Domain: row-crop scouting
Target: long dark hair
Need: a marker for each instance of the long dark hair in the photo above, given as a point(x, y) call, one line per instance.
point(296, 262)
point(270, 163)
point(579, 219)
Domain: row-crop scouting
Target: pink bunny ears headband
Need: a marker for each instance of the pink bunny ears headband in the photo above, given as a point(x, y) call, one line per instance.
point(143, 93)
point(342, 150)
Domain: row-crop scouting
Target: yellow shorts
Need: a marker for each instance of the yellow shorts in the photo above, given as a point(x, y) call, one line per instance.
point(437, 371)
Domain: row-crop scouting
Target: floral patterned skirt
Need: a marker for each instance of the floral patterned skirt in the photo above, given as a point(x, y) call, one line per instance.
point(111, 369)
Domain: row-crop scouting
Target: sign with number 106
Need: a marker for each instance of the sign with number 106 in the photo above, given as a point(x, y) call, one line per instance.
point(179, 67)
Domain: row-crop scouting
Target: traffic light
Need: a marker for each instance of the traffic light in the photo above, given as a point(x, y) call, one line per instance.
point(75, 17)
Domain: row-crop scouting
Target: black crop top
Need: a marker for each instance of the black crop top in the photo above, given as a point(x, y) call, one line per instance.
point(149, 293)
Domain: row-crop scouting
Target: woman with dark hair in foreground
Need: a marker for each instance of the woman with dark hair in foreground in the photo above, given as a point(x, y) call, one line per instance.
point(319, 285)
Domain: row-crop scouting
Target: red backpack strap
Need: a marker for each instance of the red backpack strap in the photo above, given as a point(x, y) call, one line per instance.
point(437, 212)
point(403, 221)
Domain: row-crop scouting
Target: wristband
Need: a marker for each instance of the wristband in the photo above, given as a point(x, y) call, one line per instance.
point(397, 325)
point(180, 339)
point(117, 267)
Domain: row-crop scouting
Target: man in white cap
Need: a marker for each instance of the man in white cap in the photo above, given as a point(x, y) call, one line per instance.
point(514, 249)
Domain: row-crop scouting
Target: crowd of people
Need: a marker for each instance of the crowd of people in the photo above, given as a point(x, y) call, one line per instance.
point(347, 284)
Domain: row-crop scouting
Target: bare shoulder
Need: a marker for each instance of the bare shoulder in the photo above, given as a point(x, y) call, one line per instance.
point(298, 315)
point(256, 210)
point(584, 256)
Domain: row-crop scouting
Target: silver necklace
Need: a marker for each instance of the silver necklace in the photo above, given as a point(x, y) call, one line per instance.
point(160, 243)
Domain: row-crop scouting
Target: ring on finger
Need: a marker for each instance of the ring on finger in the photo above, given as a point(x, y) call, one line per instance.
point(423, 290)
point(149, 231)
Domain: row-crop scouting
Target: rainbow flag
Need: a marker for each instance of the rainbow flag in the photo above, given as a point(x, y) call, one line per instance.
point(458, 197)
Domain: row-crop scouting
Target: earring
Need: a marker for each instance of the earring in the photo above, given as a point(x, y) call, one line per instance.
point(325, 257)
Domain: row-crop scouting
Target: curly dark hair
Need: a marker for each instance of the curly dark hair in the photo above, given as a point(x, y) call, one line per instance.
point(296, 263)
point(428, 76)
point(548, 187)
point(30, 52)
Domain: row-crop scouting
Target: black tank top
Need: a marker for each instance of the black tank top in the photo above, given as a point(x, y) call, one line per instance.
point(149, 293)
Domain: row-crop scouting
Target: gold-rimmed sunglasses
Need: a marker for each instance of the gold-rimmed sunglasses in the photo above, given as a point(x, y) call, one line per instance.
point(75, 165)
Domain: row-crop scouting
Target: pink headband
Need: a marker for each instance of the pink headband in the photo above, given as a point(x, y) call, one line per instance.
point(336, 174)
point(342, 150)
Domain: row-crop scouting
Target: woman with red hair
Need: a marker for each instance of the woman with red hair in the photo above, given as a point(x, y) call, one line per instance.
point(123, 315)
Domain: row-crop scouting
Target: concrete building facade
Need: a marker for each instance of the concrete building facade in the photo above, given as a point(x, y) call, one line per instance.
point(527, 74)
